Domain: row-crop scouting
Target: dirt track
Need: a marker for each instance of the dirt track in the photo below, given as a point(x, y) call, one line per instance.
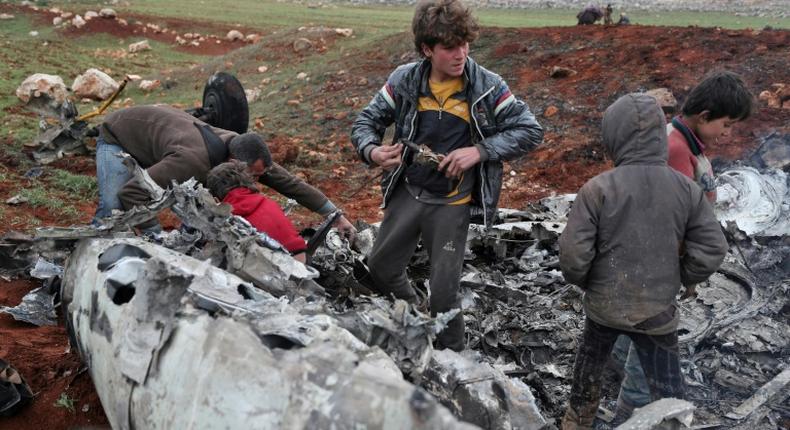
point(609, 62)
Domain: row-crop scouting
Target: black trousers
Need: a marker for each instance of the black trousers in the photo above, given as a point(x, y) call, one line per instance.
point(443, 229)
point(658, 355)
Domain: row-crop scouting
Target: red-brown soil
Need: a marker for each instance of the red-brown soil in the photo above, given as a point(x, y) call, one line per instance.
point(609, 61)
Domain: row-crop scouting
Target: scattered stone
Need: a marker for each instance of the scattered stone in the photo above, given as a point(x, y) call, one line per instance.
point(252, 38)
point(561, 72)
point(293, 102)
point(16, 200)
point(301, 44)
point(234, 35)
point(778, 98)
point(107, 13)
point(266, 81)
point(181, 41)
point(78, 22)
point(42, 84)
point(253, 95)
point(89, 15)
point(262, 69)
point(345, 32)
point(142, 45)
point(664, 98)
point(57, 21)
point(149, 86)
point(33, 33)
point(363, 82)
point(301, 76)
point(6, 16)
point(66, 15)
point(55, 10)
point(122, 22)
point(550, 111)
point(94, 84)
point(134, 78)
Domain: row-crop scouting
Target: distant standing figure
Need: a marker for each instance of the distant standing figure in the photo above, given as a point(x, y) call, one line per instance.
point(607, 16)
point(589, 15)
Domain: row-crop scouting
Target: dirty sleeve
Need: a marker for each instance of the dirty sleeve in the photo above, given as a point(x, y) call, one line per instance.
point(578, 240)
point(176, 165)
point(284, 182)
point(704, 241)
point(372, 122)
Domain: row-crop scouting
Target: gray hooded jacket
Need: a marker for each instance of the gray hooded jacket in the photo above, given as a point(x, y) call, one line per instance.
point(639, 231)
point(502, 126)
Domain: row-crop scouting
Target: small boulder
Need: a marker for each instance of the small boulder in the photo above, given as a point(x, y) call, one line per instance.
point(78, 22)
point(252, 38)
point(262, 69)
point(301, 44)
point(149, 86)
point(664, 98)
point(140, 46)
point(561, 72)
point(134, 78)
point(107, 13)
point(57, 21)
point(253, 95)
point(345, 32)
point(234, 35)
point(33, 33)
point(66, 15)
point(6, 16)
point(89, 15)
point(40, 84)
point(94, 84)
point(301, 76)
point(550, 111)
point(180, 40)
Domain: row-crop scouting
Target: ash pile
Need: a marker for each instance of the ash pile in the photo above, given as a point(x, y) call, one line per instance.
point(215, 324)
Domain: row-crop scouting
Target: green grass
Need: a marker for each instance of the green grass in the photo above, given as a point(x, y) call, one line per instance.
point(65, 402)
point(391, 19)
point(81, 187)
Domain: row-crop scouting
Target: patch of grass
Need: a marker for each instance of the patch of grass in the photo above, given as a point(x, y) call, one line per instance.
point(388, 19)
point(65, 402)
point(38, 197)
point(82, 187)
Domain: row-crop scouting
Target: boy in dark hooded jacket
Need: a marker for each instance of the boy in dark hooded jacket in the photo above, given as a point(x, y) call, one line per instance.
point(622, 245)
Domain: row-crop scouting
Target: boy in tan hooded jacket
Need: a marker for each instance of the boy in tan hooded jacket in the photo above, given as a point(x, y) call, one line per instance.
point(622, 245)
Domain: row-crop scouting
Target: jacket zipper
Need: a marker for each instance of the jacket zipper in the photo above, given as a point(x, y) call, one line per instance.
point(482, 176)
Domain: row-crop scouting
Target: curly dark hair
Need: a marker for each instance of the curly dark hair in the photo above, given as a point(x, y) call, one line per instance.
point(227, 176)
point(448, 22)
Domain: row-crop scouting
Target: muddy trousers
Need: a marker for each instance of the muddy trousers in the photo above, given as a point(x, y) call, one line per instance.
point(658, 355)
point(443, 229)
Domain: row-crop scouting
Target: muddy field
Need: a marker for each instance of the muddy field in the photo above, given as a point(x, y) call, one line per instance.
point(607, 63)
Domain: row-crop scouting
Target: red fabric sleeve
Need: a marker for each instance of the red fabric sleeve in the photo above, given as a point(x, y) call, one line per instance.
point(680, 157)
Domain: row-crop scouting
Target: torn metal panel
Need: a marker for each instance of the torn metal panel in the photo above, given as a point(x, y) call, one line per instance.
point(481, 394)
point(762, 395)
point(250, 361)
point(37, 307)
point(661, 414)
point(758, 202)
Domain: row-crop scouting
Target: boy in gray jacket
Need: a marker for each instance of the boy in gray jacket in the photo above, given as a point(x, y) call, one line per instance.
point(634, 235)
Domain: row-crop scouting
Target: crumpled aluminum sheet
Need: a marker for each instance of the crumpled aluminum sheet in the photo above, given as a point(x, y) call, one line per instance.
point(759, 203)
point(192, 345)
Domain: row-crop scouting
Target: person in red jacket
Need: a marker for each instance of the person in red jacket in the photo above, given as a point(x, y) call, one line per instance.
point(230, 183)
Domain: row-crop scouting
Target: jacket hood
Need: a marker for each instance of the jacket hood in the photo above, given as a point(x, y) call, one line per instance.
point(634, 131)
point(240, 199)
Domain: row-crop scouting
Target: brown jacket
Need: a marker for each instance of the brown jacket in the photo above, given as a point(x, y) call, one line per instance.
point(622, 241)
point(166, 142)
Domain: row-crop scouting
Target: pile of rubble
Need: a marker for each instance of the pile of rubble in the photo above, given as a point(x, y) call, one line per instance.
point(219, 311)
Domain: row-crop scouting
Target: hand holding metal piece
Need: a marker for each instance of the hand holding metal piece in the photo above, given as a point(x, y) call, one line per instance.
point(423, 154)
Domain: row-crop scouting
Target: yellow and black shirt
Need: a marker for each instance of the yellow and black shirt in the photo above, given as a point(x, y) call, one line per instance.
point(442, 125)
